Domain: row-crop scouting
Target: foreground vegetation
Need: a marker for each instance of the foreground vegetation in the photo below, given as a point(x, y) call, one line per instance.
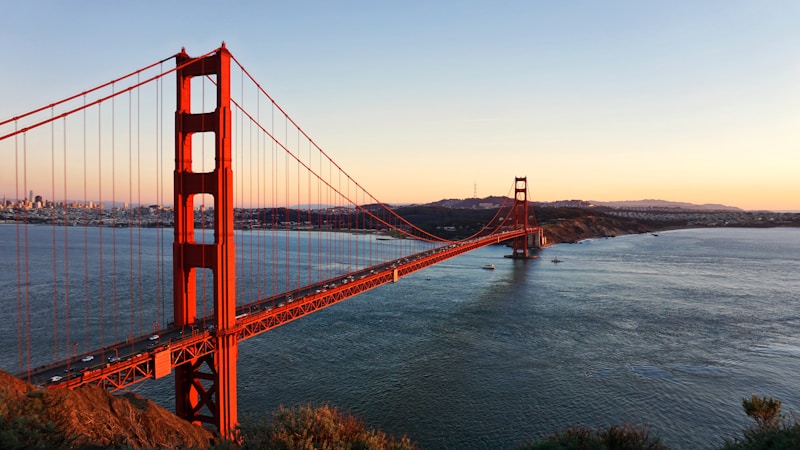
point(772, 431)
point(324, 427)
point(307, 427)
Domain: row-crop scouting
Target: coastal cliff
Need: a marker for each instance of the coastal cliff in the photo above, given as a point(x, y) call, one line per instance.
point(91, 417)
point(576, 229)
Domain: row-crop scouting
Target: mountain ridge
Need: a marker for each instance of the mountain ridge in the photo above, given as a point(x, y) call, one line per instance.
point(496, 201)
point(655, 203)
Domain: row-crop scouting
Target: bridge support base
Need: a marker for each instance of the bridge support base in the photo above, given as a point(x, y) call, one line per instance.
point(528, 256)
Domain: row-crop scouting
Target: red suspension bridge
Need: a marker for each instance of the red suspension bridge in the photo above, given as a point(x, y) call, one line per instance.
point(267, 229)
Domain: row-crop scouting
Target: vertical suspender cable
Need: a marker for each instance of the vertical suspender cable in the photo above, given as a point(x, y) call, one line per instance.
point(139, 202)
point(25, 230)
point(70, 344)
point(349, 221)
point(54, 245)
point(342, 220)
point(371, 230)
point(320, 209)
point(238, 128)
point(85, 230)
point(310, 224)
point(160, 260)
point(287, 268)
point(100, 222)
point(332, 221)
point(250, 204)
point(21, 330)
point(273, 178)
point(299, 219)
point(113, 208)
point(27, 273)
point(259, 206)
point(128, 211)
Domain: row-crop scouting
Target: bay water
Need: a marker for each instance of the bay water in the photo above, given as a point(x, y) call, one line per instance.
point(668, 331)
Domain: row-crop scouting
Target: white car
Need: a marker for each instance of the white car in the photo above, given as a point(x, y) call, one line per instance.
point(55, 379)
point(154, 337)
point(87, 358)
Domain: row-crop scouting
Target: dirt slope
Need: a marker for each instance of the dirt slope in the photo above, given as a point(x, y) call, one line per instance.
point(91, 416)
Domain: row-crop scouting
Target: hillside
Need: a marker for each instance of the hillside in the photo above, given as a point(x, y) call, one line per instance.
point(91, 417)
point(495, 201)
point(575, 220)
point(586, 227)
point(560, 225)
point(662, 204)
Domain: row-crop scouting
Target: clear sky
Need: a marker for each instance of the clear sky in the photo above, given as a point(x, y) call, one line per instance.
point(695, 101)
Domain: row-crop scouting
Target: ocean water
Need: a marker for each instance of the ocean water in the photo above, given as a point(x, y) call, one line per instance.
point(667, 331)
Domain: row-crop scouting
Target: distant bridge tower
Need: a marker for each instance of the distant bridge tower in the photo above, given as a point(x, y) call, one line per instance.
point(205, 387)
point(519, 215)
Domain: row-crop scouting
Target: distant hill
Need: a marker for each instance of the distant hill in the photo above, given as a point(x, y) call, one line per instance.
point(471, 203)
point(656, 204)
point(496, 201)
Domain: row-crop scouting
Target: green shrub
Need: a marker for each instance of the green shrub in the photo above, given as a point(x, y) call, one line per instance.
point(772, 431)
point(786, 438)
point(624, 437)
point(27, 432)
point(766, 411)
point(324, 427)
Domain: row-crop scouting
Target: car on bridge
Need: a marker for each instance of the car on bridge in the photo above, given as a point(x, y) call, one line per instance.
point(87, 358)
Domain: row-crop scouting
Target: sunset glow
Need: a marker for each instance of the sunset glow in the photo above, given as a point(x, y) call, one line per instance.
point(692, 102)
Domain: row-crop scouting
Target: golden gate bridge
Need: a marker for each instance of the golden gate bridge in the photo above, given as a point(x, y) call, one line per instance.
point(267, 229)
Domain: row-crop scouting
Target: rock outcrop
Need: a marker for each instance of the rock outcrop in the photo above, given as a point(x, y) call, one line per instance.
point(576, 229)
point(92, 417)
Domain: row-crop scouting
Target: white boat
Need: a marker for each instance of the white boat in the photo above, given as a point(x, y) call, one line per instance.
point(489, 267)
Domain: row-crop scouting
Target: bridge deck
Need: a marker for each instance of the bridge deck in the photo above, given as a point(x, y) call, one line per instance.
point(152, 357)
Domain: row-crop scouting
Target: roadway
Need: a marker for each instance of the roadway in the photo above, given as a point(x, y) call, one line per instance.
point(129, 362)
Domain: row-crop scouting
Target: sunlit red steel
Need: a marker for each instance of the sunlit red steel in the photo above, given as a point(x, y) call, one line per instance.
point(520, 219)
point(205, 386)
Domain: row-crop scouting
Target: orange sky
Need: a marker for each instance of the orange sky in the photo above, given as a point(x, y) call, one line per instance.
point(686, 102)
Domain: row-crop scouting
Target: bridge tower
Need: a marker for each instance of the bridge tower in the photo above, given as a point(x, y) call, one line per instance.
point(205, 387)
point(520, 218)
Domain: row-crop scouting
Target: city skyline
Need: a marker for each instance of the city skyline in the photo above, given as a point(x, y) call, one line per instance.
point(419, 102)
